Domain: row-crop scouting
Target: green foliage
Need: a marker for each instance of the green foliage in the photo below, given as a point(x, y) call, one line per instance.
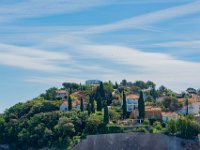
point(124, 107)
point(105, 115)
point(100, 96)
point(172, 127)
point(171, 104)
point(72, 86)
point(112, 128)
point(114, 115)
point(69, 103)
point(141, 106)
point(184, 127)
point(50, 94)
point(94, 122)
point(82, 105)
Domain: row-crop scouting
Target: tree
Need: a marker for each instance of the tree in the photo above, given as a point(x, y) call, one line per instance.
point(100, 96)
point(171, 104)
point(124, 82)
point(141, 107)
point(106, 114)
point(82, 106)
point(50, 94)
point(72, 86)
point(69, 103)
point(89, 109)
point(172, 127)
point(187, 106)
point(124, 106)
point(91, 101)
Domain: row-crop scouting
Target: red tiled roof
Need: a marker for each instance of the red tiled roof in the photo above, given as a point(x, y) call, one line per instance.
point(61, 91)
point(152, 109)
point(74, 103)
point(169, 114)
point(132, 96)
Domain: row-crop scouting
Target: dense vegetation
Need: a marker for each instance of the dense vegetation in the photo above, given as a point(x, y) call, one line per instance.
point(39, 123)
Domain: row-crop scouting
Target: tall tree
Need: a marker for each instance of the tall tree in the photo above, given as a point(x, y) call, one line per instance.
point(69, 103)
point(106, 115)
point(141, 107)
point(92, 103)
point(100, 96)
point(187, 106)
point(82, 106)
point(124, 106)
point(99, 101)
point(89, 109)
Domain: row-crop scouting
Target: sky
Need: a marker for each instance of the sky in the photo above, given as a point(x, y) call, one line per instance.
point(45, 43)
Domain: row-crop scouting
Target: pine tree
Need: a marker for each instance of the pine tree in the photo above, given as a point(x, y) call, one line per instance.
point(106, 114)
point(141, 107)
point(69, 103)
point(124, 106)
point(82, 106)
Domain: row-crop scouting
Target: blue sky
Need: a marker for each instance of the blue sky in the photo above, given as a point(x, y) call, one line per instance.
point(44, 43)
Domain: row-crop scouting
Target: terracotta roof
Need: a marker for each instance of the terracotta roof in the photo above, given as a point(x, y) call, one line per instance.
point(191, 100)
point(132, 96)
point(152, 109)
point(169, 114)
point(74, 103)
point(61, 91)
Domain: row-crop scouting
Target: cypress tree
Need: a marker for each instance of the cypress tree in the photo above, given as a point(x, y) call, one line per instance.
point(82, 106)
point(124, 106)
point(99, 101)
point(92, 104)
point(101, 90)
point(89, 109)
point(100, 96)
point(69, 103)
point(187, 106)
point(106, 115)
point(141, 107)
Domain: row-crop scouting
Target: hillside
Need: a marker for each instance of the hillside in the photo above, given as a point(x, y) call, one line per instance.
point(135, 141)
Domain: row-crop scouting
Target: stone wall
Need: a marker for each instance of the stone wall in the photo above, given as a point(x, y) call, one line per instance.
point(136, 141)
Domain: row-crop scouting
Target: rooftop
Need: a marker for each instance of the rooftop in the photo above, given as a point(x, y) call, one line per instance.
point(132, 96)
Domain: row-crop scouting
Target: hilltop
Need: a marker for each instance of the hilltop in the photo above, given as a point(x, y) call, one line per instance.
point(60, 117)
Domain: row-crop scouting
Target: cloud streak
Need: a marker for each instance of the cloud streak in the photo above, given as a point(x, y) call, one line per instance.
point(150, 18)
point(32, 59)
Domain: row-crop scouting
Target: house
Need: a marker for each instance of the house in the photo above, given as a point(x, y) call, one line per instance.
point(153, 112)
point(64, 106)
point(193, 108)
point(131, 102)
point(150, 113)
point(167, 116)
point(75, 105)
point(61, 93)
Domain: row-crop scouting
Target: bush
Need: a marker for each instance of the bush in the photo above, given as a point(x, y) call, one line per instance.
point(114, 129)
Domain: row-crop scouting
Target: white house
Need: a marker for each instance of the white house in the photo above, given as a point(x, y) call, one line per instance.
point(75, 105)
point(64, 106)
point(61, 93)
point(131, 102)
point(193, 108)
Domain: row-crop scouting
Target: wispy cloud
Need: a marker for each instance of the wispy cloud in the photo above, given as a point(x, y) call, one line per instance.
point(180, 44)
point(33, 59)
point(149, 18)
point(35, 8)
